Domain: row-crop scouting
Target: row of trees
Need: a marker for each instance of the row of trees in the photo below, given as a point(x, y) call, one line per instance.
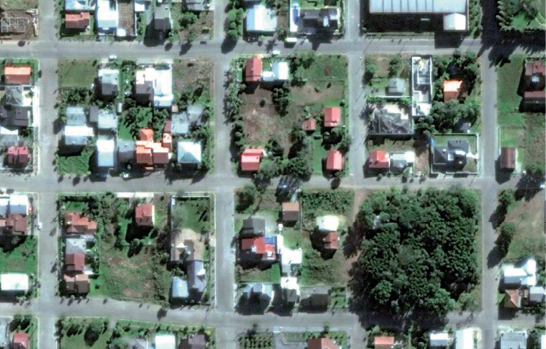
point(419, 250)
point(509, 10)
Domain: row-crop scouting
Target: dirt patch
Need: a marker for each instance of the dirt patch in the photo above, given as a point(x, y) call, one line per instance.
point(17, 25)
point(116, 260)
point(421, 164)
point(360, 196)
point(191, 73)
point(141, 293)
point(19, 4)
point(310, 94)
point(530, 214)
point(126, 17)
point(204, 27)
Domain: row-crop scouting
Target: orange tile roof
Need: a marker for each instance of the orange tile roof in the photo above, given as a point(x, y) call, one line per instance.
point(309, 125)
point(452, 89)
point(321, 343)
point(250, 159)
point(383, 342)
point(378, 159)
point(146, 134)
point(76, 223)
point(17, 75)
point(143, 155)
point(334, 160)
point(76, 20)
point(332, 116)
point(144, 214)
point(253, 69)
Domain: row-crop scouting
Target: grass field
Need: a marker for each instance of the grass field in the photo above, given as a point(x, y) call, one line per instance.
point(316, 270)
point(528, 216)
point(75, 164)
point(269, 275)
point(76, 73)
point(509, 75)
point(192, 213)
point(19, 4)
point(21, 259)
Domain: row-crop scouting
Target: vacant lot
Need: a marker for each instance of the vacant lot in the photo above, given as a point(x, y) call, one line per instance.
point(193, 74)
point(75, 164)
point(19, 257)
point(528, 216)
point(77, 73)
point(201, 29)
point(379, 81)
point(193, 213)
point(19, 4)
point(509, 75)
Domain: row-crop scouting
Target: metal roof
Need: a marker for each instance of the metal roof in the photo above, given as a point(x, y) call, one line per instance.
point(418, 6)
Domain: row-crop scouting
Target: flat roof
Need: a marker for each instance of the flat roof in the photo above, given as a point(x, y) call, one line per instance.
point(418, 6)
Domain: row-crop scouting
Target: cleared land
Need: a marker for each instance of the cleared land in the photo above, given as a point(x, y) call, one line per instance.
point(19, 257)
point(77, 73)
point(19, 4)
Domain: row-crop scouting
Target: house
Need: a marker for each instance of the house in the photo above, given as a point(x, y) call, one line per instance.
point(383, 342)
point(309, 124)
point(290, 259)
point(182, 122)
point(75, 262)
point(253, 69)
point(513, 340)
point(321, 343)
point(259, 249)
point(17, 156)
point(107, 17)
point(439, 339)
point(108, 81)
point(75, 245)
point(253, 226)
point(378, 160)
point(453, 13)
point(17, 75)
point(390, 120)
point(508, 158)
point(17, 96)
point(536, 294)
point(453, 89)
point(79, 5)
point(421, 83)
point(14, 282)
point(149, 153)
point(197, 5)
point(76, 20)
point(144, 85)
point(512, 299)
point(162, 21)
point(105, 149)
point(189, 153)
point(534, 97)
point(332, 116)
point(186, 246)
point(290, 291)
point(19, 204)
point(250, 159)
point(399, 161)
point(20, 340)
point(194, 341)
point(334, 160)
point(327, 223)
point(279, 72)
point(75, 223)
point(76, 284)
point(164, 341)
point(93, 113)
point(524, 276)
point(261, 20)
point(290, 211)
point(323, 21)
point(259, 294)
point(145, 215)
point(163, 87)
point(75, 115)
point(453, 156)
point(15, 224)
point(126, 151)
point(17, 108)
point(396, 87)
point(108, 120)
point(196, 279)
point(465, 338)
point(315, 298)
point(179, 288)
point(331, 241)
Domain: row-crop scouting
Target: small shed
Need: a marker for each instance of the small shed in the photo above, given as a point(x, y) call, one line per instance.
point(290, 211)
point(508, 158)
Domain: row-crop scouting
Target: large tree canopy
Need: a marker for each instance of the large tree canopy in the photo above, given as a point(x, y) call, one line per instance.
point(419, 250)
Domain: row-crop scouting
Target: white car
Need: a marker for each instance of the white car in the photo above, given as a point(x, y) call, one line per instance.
point(125, 175)
point(276, 52)
point(39, 225)
point(112, 57)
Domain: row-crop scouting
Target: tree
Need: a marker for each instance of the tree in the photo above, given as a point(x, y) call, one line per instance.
point(246, 197)
point(507, 232)
point(370, 70)
point(281, 98)
point(93, 331)
point(395, 65)
point(506, 198)
point(187, 18)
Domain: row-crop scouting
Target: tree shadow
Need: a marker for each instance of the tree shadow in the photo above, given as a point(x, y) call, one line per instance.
point(494, 257)
point(227, 45)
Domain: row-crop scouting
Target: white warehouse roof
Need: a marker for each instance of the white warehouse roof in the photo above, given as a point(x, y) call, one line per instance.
point(418, 6)
point(14, 282)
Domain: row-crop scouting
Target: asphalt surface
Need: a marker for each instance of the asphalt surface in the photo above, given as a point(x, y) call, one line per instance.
point(48, 306)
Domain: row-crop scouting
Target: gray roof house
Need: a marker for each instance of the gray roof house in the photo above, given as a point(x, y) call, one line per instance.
point(196, 278)
point(75, 245)
point(259, 294)
point(75, 115)
point(315, 298)
point(453, 155)
point(14, 96)
point(253, 226)
point(536, 294)
point(182, 122)
point(319, 21)
point(197, 5)
point(189, 152)
point(108, 120)
point(93, 113)
point(15, 116)
point(513, 340)
point(390, 120)
point(396, 87)
point(162, 20)
point(126, 151)
point(179, 289)
point(109, 83)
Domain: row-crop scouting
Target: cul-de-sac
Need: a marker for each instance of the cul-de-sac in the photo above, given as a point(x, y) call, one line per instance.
point(272, 174)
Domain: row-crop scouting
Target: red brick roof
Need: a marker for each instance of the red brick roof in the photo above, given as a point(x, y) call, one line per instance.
point(321, 343)
point(253, 69)
point(17, 75)
point(77, 224)
point(18, 156)
point(167, 126)
point(79, 283)
point(146, 134)
point(383, 342)
point(144, 215)
point(17, 223)
point(20, 340)
point(332, 116)
point(76, 20)
point(334, 160)
point(250, 159)
point(257, 245)
point(378, 159)
point(75, 262)
point(309, 125)
point(452, 89)
point(508, 158)
point(331, 241)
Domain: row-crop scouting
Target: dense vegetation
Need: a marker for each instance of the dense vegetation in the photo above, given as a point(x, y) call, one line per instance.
point(521, 15)
point(419, 251)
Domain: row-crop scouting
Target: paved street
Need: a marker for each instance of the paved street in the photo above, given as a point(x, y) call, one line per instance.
point(46, 183)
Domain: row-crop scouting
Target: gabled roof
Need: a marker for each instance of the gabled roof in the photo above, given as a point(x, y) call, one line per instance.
point(75, 262)
point(383, 342)
point(17, 75)
point(508, 158)
point(321, 343)
point(378, 159)
point(452, 89)
point(78, 283)
point(253, 69)
point(144, 215)
point(290, 211)
point(20, 340)
point(332, 116)
point(309, 124)
point(250, 159)
point(261, 19)
point(105, 152)
point(77, 20)
point(331, 241)
point(334, 160)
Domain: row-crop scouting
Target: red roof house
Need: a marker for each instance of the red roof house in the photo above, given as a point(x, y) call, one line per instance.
point(309, 124)
point(332, 116)
point(76, 20)
point(18, 156)
point(260, 247)
point(78, 284)
point(253, 69)
point(250, 159)
point(512, 299)
point(75, 262)
point(383, 342)
point(168, 125)
point(145, 215)
point(20, 340)
point(17, 75)
point(378, 160)
point(144, 156)
point(17, 224)
point(452, 89)
point(167, 141)
point(321, 343)
point(146, 134)
point(77, 224)
point(334, 160)
point(331, 241)
point(161, 155)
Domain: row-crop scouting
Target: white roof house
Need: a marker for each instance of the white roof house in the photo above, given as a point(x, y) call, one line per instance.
point(455, 22)
point(79, 5)
point(14, 282)
point(536, 294)
point(421, 85)
point(289, 257)
point(279, 72)
point(464, 338)
point(105, 152)
point(6, 131)
point(526, 275)
point(439, 339)
point(261, 19)
point(328, 223)
point(165, 341)
point(108, 120)
point(189, 152)
point(4, 204)
point(543, 341)
point(163, 88)
point(107, 16)
point(75, 245)
point(290, 283)
point(77, 135)
point(18, 204)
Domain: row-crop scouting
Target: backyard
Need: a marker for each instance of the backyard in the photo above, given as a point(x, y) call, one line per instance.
point(190, 26)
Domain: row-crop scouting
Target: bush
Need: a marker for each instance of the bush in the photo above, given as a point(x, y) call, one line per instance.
point(245, 197)
point(506, 198)
point(507, 232)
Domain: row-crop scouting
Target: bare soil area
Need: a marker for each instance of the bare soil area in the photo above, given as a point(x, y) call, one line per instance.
point(21, 27)
point(189, 74)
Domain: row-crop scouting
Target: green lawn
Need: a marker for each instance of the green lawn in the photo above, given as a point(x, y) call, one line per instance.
point(292, 237)
point(319, 155)
point(269, 275)
point(193, 213)
point(26, 323)
point(20, 4)
point(316, 270)
point(76, 73)
point(19, 259)
point(298, 337)
point(327, 67)
point(509, 75)
point(75, 164)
